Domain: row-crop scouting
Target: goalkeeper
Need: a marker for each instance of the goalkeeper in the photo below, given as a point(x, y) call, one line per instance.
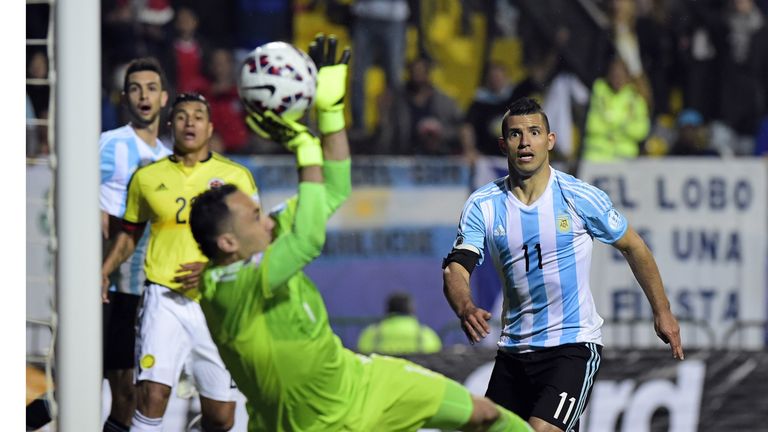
point(268, 318)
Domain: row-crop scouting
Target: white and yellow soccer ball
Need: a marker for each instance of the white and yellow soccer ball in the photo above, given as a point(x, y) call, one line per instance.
point(280, 77)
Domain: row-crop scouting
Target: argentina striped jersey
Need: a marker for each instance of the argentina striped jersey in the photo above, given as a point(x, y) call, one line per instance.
point(542, 253)
point(121, 152)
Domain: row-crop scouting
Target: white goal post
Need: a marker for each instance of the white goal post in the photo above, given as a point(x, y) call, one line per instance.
point(76, 164)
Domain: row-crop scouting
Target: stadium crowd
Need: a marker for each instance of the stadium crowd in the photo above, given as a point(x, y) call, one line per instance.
point(657, 77)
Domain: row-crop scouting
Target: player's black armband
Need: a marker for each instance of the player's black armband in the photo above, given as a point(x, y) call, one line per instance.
point(132, 227)
point(463, 257)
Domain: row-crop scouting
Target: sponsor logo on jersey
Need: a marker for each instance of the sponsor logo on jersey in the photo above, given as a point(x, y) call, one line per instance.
point(459, 241)
point(499, 231)
point(162, 187)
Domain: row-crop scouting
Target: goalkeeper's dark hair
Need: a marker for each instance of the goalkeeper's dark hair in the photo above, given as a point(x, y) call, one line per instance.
point(144, 64)
point(209, 210)
point(523, 106)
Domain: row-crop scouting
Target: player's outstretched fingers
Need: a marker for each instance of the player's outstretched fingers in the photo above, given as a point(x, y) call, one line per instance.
point(314, 53)
point(317, 50)
point(345, 56)
point(330, 57)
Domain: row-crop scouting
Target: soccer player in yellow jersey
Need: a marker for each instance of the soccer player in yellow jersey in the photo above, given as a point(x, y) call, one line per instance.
point(121, 152)
point(171, 325)
point(269, 320)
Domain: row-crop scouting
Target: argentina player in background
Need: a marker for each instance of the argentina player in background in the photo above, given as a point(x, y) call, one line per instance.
point(121, 152)
point(538, 224)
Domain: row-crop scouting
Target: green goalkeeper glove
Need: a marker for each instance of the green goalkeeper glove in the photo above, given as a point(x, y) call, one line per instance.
point(291, 134)
point(331, 83)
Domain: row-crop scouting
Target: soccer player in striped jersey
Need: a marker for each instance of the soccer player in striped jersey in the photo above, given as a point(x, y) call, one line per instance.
point(269, 320)
point(121, 152)
point(538, 224)
point(171, 325)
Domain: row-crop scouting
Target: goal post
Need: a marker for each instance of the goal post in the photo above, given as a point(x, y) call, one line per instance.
point(77, 83)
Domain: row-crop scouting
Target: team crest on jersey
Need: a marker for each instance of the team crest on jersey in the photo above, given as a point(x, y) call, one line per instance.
point(563, 223)
point(147, 361)
point(215, 183)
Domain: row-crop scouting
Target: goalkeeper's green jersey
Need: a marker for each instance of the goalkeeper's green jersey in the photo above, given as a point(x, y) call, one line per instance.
point(271, 325)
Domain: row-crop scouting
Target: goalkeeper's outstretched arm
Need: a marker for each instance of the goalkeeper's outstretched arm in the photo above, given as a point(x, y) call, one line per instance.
point(329, 101)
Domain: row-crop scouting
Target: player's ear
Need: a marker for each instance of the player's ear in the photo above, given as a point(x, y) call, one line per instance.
point(163, 98)
point(210, 130)
point(227, 243)
point(502, 145)
point(551, 138)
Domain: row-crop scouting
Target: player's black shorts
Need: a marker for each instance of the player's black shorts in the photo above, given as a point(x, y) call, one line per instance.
point(552, 384)
point(120, 331)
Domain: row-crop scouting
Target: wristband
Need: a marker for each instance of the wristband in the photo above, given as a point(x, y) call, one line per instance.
point(331, 121)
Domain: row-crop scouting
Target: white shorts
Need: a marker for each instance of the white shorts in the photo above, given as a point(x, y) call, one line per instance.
point(171, 330)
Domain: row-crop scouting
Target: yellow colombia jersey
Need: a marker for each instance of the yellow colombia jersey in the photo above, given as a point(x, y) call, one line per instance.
point(161, 193)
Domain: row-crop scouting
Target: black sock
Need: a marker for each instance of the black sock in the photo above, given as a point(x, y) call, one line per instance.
point(112, 425)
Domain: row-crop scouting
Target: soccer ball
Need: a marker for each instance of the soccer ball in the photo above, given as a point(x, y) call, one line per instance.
point(278, 76)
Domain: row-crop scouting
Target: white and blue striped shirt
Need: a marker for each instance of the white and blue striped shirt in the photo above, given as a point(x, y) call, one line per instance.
point(121, 153)
point(542, 253)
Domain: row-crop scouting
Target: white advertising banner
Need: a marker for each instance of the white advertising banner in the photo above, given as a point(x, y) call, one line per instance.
point(705, 221)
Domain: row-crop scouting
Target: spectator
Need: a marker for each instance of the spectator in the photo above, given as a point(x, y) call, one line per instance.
point(565, 102)
point(155, 33)
point(226, 109)
point(378, 32)
point(119, 34)
point(38, 97)
point(617, 120)
point(741, 92)
point(218, 20)
point(700, 45)
point(556, 78)
point(656, 38)
point(623, 18)
point(420, 119)
point(189, 53)
point(479, 132)
point(37, 68)
point(628, 44)
point(399, 332)
point(692, 137)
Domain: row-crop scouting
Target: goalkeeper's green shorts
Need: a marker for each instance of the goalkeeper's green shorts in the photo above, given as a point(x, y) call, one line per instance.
point(399, 395)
